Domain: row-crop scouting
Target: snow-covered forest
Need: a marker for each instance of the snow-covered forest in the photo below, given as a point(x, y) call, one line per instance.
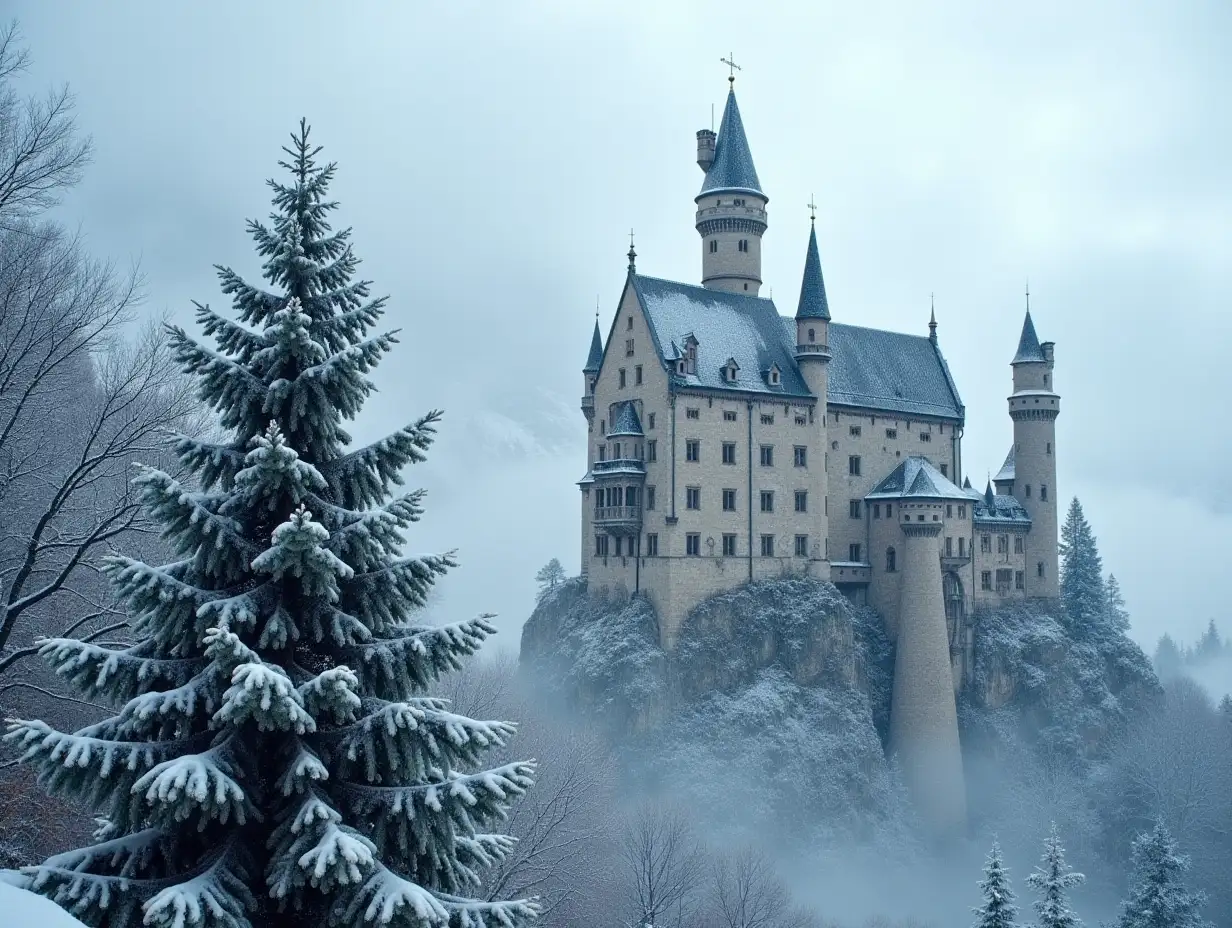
point(228, 706)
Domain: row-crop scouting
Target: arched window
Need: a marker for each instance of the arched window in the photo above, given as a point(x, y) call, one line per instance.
point(812, 336)
point(891, 560)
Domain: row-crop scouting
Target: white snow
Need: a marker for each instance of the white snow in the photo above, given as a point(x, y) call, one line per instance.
point(22, 909)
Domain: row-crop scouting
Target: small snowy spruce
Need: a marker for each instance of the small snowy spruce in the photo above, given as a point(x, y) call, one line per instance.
point(274, 760)
point(1157, 896)
point(550, 575)
point(1052, 879)
point(998, 910)
point(1082, 575)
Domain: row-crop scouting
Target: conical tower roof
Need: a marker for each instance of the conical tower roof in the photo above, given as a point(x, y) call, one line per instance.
point(595, 359)
point(1028, 344)
point(813, 303)
point(732, 168)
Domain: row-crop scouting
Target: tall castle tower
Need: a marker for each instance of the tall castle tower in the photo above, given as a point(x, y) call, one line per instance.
point(1034, 407)
point(813, 357)
point(731, 208)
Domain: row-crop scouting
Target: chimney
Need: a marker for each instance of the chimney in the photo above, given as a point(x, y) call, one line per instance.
point(1046, 348)
point(705, 149)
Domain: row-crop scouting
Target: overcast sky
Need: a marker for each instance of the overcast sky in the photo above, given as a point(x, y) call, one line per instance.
point(493, 156)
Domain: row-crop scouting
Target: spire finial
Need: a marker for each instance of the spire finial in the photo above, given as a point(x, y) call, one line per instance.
point(1028, 293)
point(596, 309)
point(812, 208)
point(932, 316)
point(632, 254)
point(730, 61)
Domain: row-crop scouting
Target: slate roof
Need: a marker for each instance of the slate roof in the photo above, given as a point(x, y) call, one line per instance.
point(916, 478)
point(813, 303)
point(595, 359)
point(732, 168)
point(626, 422)
point(890, 371)
point(1028, 343)
point(1000, 508)
point(1006, 473)
point(747, 329)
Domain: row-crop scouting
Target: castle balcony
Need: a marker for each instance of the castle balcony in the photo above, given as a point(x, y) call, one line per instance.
point(728, 211)
point(619, 520)
point(954, 563)
point(847, 572)
point(619, 467)
point(588, 403)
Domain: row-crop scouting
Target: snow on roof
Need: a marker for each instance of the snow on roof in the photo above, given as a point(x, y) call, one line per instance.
point(626, 422)
point(813, 303)
point(1028, 343)
point(916, 478)
point(595, 359)
point(1000, 508)
point(1006, 473)
point(732, 168)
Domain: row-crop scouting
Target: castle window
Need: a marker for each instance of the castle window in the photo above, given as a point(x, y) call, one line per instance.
point(891, 433)
point(629, 323)
point(601, 542)
point(853, 465)
point(729, 500)
point(1039, 569)
point(767, 501)
point(744, 244)
point(962, 546)
point(729, 415)
point(637, 375)
point(891, 560)
point(1043, 492)
point(767, 455)
point(767, 418)
point(853, 553)
point(729, 452)
point(962, 512)
point(693, 498)
point(801, 420)
point(853, 431)
point(692, 413)
point(767, 546)
point(729, 545)
point(629, 346)
point(1019, 580)
point(801, 500)
point(680, 366)
point(876, 510)
point(714, 246)
point(945, 468)
point(652, 545)
point(650, 421)
point(692, 450)
point(652, 450)
point(854, 508)
point(949, 546)
point(889, 513)
point(812, 335)
point(1048, 448)
point(926, 436)
point(949, 510)
point(622, 378)
point(1004, 577)
point(1027, 491)
point(619, 552)
point(1018, 544)
point(650, 498)
point(986, 544)
point(602, 452)
point(800, 456)
point(1003, 544)
point(693, 544)
point(985, 579)
point(802, 546)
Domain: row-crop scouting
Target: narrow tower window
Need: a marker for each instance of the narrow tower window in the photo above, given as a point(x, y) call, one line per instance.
point(891, 561)
point(714, 246)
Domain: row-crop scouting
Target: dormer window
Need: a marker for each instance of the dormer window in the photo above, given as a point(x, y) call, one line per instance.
point(690, 355)
point(730, 370)
point(680, 367)
point(773, 376)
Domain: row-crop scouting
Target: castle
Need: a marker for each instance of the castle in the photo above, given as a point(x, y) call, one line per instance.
point(728, 443)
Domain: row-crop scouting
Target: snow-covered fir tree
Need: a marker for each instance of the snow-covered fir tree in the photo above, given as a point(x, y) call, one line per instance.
point(1082, 574)
point(998, 909)
point(1053, 879)
point(1157, 895)
point(275, 759)
point(1118, 614)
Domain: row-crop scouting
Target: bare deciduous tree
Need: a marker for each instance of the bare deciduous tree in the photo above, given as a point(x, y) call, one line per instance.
point(663, 866)
point(41, 152)
point(746, 892)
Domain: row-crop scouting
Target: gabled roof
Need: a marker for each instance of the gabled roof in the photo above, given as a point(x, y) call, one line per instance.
point(732, 168)
point(1028, 344)
point(889, 371)
point(813, 303)
point(916, 478)
point(1006, 473)
point(625, 422)
point(1000, 508)
point(727, 326)
point(595, 359)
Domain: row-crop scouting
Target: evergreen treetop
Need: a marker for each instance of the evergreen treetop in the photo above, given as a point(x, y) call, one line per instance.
point(1052, 879)
point(1157, 896)
point(274, 759)
point(1082, 574)
point(998, 909)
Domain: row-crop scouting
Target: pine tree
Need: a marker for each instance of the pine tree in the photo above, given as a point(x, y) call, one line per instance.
point(1118, 614)
point(1210, 645)
point(274, 760)
point(1051, 879)
point(1157, 897)
point(1168, 658)
point(998, 910)
point(549, 576)
point(1082, 574)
